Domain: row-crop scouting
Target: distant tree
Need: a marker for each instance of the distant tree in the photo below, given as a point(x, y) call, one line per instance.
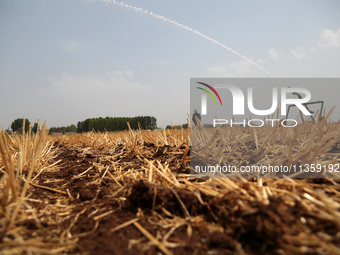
point(116, 123)
point(35, 127)
point(71, 128)
point(178, 127)
point(17, 125)
point(80, 127)
point(8, 131)
point(208, 125)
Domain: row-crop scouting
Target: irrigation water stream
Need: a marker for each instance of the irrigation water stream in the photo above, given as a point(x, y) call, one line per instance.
point(196, 32)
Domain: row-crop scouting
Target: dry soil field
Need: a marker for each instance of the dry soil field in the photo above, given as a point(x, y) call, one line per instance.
point(131, 193)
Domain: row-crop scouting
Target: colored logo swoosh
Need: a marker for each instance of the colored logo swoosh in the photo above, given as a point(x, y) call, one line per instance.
point(212, 89)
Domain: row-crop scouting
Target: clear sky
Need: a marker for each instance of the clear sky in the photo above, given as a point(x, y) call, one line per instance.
point(65, 61)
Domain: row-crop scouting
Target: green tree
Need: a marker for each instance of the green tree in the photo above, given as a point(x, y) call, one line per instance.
point(116, 123)
point(80, 127)
point(17, 125)
point(71, 128)
point(35, 127)
point(8, 131)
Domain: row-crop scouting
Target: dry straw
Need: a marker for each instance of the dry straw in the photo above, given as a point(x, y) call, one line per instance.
point(22, 155)
point(139, 181)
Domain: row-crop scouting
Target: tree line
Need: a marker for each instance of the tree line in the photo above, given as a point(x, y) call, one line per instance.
point(93, 124)
point(71, 128)
point(116, 123)
point(18, 126)
point(184, 126)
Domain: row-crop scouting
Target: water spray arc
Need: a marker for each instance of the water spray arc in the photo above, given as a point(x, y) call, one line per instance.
point(162, 18)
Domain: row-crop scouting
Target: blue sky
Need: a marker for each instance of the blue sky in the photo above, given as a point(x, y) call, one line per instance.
point(65, 61)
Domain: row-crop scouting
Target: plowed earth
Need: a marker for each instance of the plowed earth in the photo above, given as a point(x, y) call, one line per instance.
point(100, 198)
